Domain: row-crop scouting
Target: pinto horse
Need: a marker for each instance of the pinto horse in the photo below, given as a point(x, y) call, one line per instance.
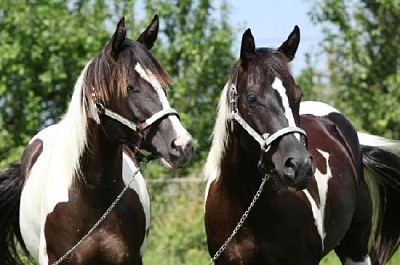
point(71, 172)
point(321, 186)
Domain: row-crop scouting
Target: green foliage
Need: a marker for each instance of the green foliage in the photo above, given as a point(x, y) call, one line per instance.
point(196, 50)
point(42, 57)
point(177, 231)
point(43, 48)
point(362, 39)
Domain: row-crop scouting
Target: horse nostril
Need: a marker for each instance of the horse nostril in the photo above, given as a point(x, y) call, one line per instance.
point(291, 163)
point(176, 146)
point(187, 147)
point(290, 168)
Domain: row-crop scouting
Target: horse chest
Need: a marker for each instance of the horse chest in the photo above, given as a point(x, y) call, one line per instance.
point(111, 243)
point(103, 247)
point(274, 228)
point(117, 240)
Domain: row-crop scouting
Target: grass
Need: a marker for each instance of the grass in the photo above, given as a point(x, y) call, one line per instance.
point(196, 257)
point(177, 234)
point(203, 258)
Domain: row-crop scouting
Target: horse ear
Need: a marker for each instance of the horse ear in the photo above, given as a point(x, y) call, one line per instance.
point(149, 36)
point(117, 39)
point(248, 48)
point(289, 47)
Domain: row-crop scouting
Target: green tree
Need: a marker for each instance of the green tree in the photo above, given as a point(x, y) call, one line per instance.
point(362, 40)
point(196, 50)
point(43, 48)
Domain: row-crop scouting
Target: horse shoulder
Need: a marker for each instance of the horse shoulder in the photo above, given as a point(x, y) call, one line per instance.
point(136, 183)
point(33, 205)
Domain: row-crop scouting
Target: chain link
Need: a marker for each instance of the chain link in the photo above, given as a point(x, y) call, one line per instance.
point(101, 219)
point(240, 223)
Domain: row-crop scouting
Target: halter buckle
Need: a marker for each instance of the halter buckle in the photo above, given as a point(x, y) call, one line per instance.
point(234, 98)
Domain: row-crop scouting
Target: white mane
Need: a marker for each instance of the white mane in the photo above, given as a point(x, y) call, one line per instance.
point(219, 138)
point(72, 133)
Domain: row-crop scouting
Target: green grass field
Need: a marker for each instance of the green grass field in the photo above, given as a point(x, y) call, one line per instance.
point(198, 258)
point(201, 258)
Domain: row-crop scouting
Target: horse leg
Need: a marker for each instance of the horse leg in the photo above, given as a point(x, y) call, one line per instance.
point(353, 249)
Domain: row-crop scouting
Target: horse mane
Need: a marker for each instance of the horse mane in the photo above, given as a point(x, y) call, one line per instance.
point(105, 73)
point(101, 75)
point(72, 133)
point(220, 137)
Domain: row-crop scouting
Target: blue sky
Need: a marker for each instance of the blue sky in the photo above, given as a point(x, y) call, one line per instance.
point(271, 21)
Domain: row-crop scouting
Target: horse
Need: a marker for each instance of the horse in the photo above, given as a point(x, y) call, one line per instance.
point(71, 172)
point(290, 181)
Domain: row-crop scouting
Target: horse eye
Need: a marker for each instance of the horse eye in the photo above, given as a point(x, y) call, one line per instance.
point(252, 99)
point(133, 89)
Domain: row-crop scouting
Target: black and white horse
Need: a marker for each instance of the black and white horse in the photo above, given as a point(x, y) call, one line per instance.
point(296, 175)
point(71, 172)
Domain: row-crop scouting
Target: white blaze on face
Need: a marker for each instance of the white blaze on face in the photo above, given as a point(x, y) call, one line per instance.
point(278, 86)
point(183, 137)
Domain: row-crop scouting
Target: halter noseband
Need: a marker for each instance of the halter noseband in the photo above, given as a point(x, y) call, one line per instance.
point(265, 140)
point(137, 128)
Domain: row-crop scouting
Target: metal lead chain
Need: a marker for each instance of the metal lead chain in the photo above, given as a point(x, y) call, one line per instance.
point(240, 223)
point(101, 219)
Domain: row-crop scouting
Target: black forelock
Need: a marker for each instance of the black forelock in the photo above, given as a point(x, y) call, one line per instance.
point(271, 61)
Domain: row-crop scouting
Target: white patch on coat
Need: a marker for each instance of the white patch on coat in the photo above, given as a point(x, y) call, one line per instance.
point(139, 186)
point(52, 174)
point(322, 185)
point(316, 108)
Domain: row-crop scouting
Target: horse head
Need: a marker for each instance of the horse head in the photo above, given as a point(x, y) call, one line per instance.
point(128, 87)
point(265, 100)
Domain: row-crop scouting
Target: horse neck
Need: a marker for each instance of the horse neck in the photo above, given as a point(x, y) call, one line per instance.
point(239, 171)
point(101, 161)
point(88, 155)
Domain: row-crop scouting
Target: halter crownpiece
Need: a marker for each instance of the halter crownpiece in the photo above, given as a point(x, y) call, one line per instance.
point(265, 140)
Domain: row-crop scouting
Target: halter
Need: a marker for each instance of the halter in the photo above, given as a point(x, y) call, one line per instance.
point(265, 140)
point(137, 128)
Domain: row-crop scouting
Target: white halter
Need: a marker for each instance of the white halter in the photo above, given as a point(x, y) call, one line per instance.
point(265, 140)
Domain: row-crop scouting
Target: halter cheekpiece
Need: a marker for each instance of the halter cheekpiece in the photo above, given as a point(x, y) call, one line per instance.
point(137, 128)
point(265, 140)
